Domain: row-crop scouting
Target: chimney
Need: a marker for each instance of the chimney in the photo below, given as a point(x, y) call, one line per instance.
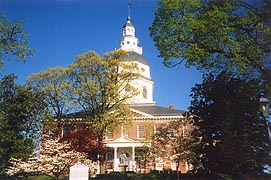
point(171, 106)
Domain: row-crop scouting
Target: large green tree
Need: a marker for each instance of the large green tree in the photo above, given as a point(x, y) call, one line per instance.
point(13, 42)
point(53, 83)
point(233, 131)
point(102, 86)
point(232, 35)
point(20, 114)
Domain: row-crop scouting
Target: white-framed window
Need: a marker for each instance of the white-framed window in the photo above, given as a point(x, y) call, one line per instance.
point(109, 133)
point(140, 131)
point(125, 131)
point(186, 131)
point(157, 127)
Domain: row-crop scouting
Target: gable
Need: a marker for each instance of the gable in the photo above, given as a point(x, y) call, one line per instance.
point(123, 140)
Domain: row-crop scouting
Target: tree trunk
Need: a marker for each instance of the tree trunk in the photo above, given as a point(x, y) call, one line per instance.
point(100, 139)
point(177, 169)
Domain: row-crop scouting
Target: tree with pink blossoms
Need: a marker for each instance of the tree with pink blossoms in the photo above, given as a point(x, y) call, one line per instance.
point(53, 159)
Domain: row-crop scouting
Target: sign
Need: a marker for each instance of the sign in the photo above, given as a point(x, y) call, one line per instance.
point(79, 171)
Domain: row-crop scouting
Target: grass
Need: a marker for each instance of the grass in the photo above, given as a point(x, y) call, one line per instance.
point(149, 176)
point(44, 177)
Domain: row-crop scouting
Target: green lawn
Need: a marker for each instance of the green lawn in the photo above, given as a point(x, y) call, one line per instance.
point(39, 178)
point(43, 177)
point(149, 176)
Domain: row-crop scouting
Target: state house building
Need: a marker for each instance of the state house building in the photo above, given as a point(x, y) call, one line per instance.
point(131, 139)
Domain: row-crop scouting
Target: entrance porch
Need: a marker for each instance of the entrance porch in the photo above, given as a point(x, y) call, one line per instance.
point(129, 147)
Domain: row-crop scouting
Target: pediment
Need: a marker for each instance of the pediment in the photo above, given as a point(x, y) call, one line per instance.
point(123, 140)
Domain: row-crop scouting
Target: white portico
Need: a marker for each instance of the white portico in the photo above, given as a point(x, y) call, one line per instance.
point(127, 145)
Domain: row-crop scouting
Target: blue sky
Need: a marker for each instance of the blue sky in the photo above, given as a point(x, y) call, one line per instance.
point(60, 30)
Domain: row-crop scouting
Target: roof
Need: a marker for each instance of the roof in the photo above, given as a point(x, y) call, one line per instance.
point(150, 109)
point(133, 56)
point(157, 110)
point(128, 23)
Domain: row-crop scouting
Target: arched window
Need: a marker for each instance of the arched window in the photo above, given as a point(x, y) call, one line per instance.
point(109, 156)
point(145, 92)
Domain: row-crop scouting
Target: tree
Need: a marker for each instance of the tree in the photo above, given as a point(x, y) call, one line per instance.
point(20, 113)
point(233, 36)
point(102, 86)
point(234, 139)
point(53, 83)
point(84, 140)
point(13, 41)
point(176, 141)
point(54, 159)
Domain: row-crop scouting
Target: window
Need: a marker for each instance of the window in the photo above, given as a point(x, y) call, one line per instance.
point(125, 131)
point(145, 92)
point(109, 133)
point(109, 156)
point(66, 132)
point(109, 163)
point(157, 127)
point(141, 131)
point(186, 131)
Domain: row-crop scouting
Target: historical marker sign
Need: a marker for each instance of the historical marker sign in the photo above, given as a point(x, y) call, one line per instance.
point(79, 171)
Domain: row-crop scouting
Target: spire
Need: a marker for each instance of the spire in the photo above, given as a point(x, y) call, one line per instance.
point(129, 41)
point(129, 9)
point(129, 14)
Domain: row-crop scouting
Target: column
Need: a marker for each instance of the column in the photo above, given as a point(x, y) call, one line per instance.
point(115, 158)
point(133, 159)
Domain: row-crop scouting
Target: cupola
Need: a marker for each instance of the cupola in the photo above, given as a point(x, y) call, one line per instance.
point(129, 42)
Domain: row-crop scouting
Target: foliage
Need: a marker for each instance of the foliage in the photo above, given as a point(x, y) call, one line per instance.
point(84, 140)
point(233, 36)
point(53, 83)
point(13, 41)
point(234, 140)
point(53, 159)
point(20, 113)
point(176, 142)
point(102, 87)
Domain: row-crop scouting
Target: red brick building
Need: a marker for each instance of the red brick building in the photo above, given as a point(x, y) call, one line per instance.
point(147, 117)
